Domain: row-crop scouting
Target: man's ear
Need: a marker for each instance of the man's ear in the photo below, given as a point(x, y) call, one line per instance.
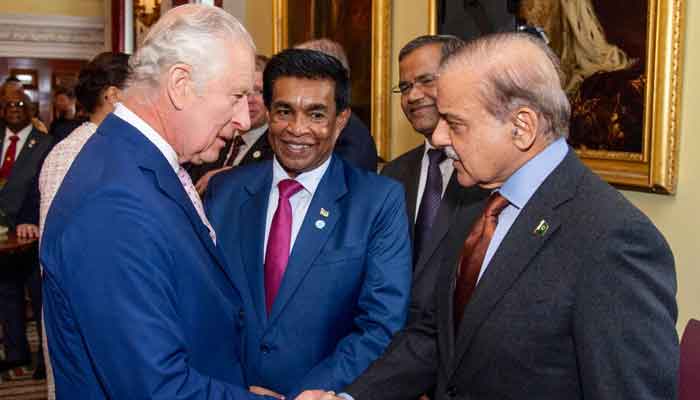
point(525, 127)
point(179, 85)
point(341, 121)
point(111, 95)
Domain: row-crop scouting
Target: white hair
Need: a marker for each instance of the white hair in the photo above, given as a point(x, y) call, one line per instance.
point(192, 34)
point(518, 70)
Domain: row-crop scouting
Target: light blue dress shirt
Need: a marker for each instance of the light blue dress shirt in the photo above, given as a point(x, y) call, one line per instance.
point(519, 188)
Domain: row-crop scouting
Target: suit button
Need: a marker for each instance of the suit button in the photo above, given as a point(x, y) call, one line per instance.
point(265, 349)
point(451, 391)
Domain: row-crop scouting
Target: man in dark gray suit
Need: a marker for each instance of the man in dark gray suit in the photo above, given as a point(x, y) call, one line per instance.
point(436, 202)
point(565, 290)
point(23, 149)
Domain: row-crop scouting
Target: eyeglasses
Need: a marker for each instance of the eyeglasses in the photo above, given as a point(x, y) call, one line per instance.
point(426, 81)
point(18, 104)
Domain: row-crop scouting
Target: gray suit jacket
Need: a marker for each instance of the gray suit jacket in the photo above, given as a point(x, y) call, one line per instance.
point(19, 198)
point(583, 310)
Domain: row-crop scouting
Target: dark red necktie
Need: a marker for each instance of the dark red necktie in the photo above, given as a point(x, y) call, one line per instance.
point(474, 252)
point(279, 240)
point(235, 149)
point(9, 159)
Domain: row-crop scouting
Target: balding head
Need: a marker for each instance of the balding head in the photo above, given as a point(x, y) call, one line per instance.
point(329, 47)
point(516, 70)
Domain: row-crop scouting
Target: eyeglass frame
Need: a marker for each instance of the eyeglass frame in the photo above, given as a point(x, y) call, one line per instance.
point(425, 80)
point(17, 104)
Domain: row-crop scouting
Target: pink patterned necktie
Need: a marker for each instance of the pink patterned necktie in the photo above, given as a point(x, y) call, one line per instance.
point(279, 240)
point(196, 201)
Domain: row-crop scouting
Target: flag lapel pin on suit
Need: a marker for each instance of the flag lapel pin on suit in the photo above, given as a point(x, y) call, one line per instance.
point(541, 228)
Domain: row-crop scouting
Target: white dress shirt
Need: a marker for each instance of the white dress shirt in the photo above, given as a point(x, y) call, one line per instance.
point(154, 137)
point(446, 169)
point(23, 135)
point(300, 201)
point(249, 139)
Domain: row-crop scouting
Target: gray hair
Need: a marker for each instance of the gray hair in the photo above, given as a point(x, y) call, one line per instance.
point(191, 34)
point(329, 47)
point(518, 70)
point(449, 44)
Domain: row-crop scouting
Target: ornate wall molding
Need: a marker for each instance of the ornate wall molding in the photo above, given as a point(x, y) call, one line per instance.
point(51, 36)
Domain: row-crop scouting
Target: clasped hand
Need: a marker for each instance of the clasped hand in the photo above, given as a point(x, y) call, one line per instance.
point(306, 395)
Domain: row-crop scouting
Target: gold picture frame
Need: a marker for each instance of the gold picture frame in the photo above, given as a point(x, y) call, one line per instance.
point(380, 63)
point(655, 167)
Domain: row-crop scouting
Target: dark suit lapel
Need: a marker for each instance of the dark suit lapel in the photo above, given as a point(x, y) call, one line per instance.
point(312, 237)
point(260, 150)
point(520, 245)
point(25, 154)
point(2, 139)
point(252, 217)
point(151, 159)
point(456, 198)
point(411, 185)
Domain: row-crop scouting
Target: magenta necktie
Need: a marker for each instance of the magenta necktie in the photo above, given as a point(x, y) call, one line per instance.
point(279, 240)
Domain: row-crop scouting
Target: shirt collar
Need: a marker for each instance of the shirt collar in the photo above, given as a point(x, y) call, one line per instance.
point(519, 188)
point(23, 133)
point(309, 180)
point(253, 135)
point(151, 134)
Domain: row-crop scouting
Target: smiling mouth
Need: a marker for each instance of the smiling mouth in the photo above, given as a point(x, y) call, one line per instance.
point(421, 109)
point(296, 147)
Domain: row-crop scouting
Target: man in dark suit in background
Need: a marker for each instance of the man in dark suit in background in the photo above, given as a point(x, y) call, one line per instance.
point(323, 245)
point(245, 147)
point(355, 144)
point(436, 202)
point(23, 149)
point(565, 290)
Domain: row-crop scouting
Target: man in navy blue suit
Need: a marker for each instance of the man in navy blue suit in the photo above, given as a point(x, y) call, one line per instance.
point(138, 301)
point(324, 246)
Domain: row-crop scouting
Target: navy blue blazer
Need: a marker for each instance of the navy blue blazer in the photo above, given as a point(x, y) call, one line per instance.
point(346, 288)
point(138, 303)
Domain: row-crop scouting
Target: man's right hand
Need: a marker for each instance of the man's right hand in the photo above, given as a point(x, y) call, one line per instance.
point(203, 182)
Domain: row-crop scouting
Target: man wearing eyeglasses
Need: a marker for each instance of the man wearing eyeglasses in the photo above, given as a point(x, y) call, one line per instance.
point(245, 147)
point(436, 202)
point(23, 149)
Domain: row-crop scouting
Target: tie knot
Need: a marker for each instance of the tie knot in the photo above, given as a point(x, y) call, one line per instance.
point(495, 205)
point(436, 156)
point(288, 187)
point(14, 138)
point(238, 140)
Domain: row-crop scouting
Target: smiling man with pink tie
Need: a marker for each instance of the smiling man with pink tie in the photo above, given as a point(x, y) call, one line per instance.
point(324, 246)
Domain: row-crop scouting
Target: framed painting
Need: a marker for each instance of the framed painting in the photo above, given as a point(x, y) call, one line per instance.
point(363, 28)
point(622, 72)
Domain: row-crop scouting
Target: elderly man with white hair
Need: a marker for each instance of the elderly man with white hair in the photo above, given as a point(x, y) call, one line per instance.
point(138, 301)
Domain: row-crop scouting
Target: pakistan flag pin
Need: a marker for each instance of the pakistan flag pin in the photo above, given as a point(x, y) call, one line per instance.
point(542, 228)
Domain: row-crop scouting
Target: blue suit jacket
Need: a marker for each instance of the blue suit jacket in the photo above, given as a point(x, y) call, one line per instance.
point(138, 303)
point(346, 288)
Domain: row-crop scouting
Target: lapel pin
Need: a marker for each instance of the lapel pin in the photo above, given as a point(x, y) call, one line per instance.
point(320, 224)
point(31, 143)
point(257, 154)
point(324, 212)
point(542, 228)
